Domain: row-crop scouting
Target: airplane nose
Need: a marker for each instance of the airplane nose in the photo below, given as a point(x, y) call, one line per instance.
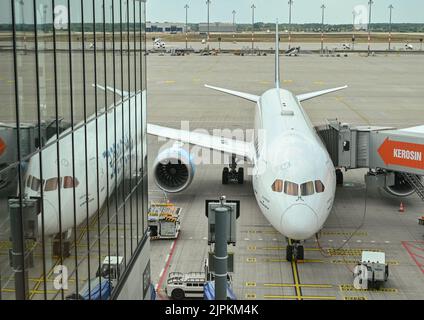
point(51, 216)
point(299, 222)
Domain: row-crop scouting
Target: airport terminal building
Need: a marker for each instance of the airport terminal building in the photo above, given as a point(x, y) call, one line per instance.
point(73, 151)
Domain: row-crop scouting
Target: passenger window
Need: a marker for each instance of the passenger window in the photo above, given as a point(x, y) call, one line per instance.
point(307, 189)
point(35, 184)
point(51, 184)
point(28, 184)
point(189, 285)
point(69, 182)
point(277, 186)
point(290, 188)
point(319, 186)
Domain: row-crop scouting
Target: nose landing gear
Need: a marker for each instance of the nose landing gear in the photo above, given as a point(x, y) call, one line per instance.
point(231, 174)
point(294, 251)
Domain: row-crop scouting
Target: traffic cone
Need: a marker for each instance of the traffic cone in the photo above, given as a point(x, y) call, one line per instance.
point(401, 208)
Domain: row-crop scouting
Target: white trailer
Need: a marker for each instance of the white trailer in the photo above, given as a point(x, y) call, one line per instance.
point(372, 271)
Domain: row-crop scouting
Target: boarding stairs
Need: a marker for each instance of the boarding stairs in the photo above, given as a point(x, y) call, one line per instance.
point(416, 182)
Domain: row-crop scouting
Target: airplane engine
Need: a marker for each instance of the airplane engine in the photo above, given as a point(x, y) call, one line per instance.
point(173, 170)
point(401, 188)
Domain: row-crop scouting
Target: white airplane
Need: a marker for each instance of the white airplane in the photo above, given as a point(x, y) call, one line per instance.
point(409, 46)
point(59, 217)
point(292, 52)
point(159, 44)
point(294, 179)
point(346, 46)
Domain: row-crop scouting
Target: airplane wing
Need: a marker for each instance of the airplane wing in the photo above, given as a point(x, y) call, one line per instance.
point(311, 95)
point(243, 95)
point(240, 148)
point(419, 129)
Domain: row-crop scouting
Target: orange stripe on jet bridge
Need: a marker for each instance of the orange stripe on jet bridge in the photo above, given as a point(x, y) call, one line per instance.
point(2, 146)
point(405, 154)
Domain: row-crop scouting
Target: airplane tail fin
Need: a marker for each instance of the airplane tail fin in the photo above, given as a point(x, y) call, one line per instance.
point(277, 57)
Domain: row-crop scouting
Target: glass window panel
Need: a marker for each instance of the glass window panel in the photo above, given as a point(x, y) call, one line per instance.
point(290, 188)
point(319, 186)
point(307, 189)
point(278, 186)
point(51, 184)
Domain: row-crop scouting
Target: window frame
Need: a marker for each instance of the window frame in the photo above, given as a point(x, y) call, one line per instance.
point(289, 183)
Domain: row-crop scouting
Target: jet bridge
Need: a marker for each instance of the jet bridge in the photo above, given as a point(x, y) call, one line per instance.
point(394, 157)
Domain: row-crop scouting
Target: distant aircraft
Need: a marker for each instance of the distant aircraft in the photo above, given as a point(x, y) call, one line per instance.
point(346, 46)
point(293, 52)
point(294, 179)
point(409, 46)
point(159, 44)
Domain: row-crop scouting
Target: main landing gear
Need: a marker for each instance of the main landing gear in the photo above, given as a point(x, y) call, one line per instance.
point(294, 251)
point(339, 177)
point(231, 174)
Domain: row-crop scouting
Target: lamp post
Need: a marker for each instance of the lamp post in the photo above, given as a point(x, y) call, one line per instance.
point(234, 22)
point(390, 27)
point(370, 3)
point(322, 29)
point(253, 27)
point(208, 2)
point(186, 25)
point(290, 16)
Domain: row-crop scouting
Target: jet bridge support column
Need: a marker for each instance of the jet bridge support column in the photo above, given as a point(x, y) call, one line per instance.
point(221, 254)
point(23, 227)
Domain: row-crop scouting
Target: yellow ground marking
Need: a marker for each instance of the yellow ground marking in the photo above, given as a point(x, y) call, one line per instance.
point(349, 287)
point(287, 81)
point(303, 297)
point(392, 262)
point(250, 296)
point(349, 252)
point(250, 284)
point(355, 298)
point(41, 279)
point(10, 81)
point(291, 285)
point(299, 261)
point(296, 281)
point(251, 248)
point(347, 234)
point(319, 82)
point(33, 292)
point(264, 82)
point(169, 81)
point(284, 248)
point(251, 260)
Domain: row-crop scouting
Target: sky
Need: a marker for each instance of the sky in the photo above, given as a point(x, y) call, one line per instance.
point(303, 11)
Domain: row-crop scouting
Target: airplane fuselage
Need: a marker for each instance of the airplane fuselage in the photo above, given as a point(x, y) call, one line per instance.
point(293, 177)
point(114, 152)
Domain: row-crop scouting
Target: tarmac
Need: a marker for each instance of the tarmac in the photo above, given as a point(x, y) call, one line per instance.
point(383, 90)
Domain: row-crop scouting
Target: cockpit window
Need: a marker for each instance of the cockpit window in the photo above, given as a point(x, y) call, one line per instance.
point(51, 184)
point(319, 186)
point(277, 186)
point(28, 184)
point(307, 189)
point(69, 182)
point(290, 188)
point(35, 184)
